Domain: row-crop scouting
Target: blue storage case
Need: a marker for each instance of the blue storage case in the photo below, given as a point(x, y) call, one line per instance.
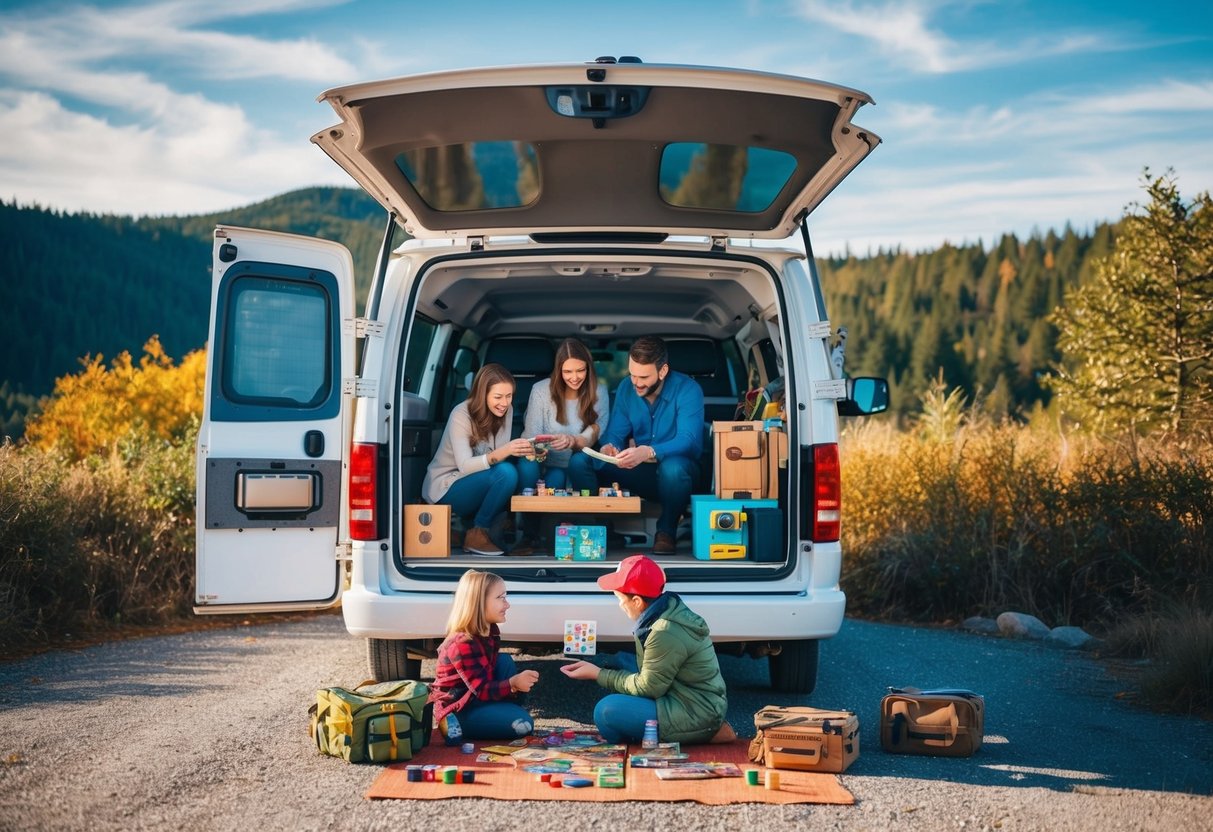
point(720, 528)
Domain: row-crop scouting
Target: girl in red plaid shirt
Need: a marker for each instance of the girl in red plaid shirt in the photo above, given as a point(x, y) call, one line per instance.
point(474, 679)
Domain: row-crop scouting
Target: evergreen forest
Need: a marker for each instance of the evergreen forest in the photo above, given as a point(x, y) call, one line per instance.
point(78, 285)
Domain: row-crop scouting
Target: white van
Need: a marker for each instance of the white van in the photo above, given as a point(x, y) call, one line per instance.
point(603, 201)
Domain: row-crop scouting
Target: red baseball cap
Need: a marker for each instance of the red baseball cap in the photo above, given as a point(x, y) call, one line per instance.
point(635, 575)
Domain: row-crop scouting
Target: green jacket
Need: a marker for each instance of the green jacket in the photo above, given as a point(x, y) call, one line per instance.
point(678, 668)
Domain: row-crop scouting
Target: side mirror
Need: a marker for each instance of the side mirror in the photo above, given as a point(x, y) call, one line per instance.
point(865, 396)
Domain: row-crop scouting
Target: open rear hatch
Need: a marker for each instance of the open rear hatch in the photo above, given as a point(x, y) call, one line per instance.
point(625, 148)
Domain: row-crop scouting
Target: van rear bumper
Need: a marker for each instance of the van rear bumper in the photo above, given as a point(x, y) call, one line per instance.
point(539, 617)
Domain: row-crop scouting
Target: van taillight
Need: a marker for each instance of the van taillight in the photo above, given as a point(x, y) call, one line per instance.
point(827, 493)
point(364, 491)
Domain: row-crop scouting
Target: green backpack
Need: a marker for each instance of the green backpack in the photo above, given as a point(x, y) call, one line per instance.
point(375, 723)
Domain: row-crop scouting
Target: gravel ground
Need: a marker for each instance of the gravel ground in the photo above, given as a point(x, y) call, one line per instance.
point(207, 731)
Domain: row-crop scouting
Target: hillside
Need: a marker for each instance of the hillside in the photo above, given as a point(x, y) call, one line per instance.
point(84, 284)
point(81, 284)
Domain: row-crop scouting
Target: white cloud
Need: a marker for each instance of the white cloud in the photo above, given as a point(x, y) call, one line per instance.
point(905, 34)
point(64, 159)
point(1167, 95)
point(43, 51)
point(134, 144)
point(1032, 165)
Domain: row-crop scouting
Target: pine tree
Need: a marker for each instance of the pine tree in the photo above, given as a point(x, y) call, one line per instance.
point(1137, 338)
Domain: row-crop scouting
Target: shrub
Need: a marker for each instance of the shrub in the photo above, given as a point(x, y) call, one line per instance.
point(40, 566)
point(1001, 517)
point(94, 543)
point(97, 511)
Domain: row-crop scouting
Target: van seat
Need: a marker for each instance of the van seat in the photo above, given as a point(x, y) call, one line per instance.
point(529, 358)
point(703, 360)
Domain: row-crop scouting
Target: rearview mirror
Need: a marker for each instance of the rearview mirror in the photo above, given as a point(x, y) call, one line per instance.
point(865, 396)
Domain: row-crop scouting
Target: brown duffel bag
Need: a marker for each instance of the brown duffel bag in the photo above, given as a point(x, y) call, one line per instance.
point(941, 723)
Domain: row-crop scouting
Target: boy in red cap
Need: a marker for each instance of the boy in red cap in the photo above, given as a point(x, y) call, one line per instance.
point(677, 679)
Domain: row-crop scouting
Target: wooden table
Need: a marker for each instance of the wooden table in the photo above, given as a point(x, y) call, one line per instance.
point(577, 505)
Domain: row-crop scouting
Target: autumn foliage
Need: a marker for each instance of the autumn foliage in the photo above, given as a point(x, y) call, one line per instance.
point(94, 410)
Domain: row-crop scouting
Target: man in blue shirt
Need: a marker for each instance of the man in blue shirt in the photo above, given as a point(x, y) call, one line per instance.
point(656, 436)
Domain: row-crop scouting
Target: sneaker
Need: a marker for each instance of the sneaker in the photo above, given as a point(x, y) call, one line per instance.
point(478, 542)
point(450, 729)
point(663, 543)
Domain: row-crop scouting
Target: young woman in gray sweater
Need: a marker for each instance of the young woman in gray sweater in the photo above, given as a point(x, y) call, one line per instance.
point(572, 407)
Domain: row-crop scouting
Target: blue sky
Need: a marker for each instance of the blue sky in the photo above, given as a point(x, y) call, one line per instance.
point(996, 117)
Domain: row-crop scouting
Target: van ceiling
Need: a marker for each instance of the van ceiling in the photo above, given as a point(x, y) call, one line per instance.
point(595, 298)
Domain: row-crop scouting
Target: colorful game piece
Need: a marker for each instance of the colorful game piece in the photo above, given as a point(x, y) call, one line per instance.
point(580, 638)
point(610, 778)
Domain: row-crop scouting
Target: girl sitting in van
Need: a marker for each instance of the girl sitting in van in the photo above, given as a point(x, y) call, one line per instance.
point(475, 684)
point(572, 407)
point(473, 471)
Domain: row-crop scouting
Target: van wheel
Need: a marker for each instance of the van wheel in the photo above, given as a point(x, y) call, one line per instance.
point(794, 668)
point(389, 660)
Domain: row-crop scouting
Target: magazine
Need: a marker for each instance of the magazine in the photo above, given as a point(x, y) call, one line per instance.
point(698, 771)
point(664, 761)
point(601, 456)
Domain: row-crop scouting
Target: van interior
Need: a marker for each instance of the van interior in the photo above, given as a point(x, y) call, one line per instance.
point(719, 318)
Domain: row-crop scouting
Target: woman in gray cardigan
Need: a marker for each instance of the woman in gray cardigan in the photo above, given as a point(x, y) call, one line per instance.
point(473, 472)
point(572, 407)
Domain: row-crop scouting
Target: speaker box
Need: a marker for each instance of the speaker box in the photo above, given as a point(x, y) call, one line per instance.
point(427, 531)
point(766, 543)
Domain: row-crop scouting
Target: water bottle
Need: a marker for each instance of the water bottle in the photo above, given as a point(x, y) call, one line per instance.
point(650, 734)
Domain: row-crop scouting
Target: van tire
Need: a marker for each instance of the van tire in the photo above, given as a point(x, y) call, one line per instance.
point(794, 668)
point(389, 660)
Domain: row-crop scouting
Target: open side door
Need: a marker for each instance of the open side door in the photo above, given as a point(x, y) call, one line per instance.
point(271, 455)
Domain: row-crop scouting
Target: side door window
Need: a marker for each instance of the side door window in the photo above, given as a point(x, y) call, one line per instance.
point(276, 352)
point(421, 339)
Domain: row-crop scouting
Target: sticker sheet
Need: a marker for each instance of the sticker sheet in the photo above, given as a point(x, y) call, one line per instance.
point(580, 638)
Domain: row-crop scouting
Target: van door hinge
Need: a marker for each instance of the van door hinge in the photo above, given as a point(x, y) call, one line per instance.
point(476, 243)
point(718, 243)
point(345, 551)
point(360, 388)
point(362, 327)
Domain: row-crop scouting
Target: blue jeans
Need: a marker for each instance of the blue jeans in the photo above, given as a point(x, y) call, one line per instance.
point(484, 494)
point(578, 476)
point(529, 473)
point(620, 718)
point(669, 482)
point(498, 720)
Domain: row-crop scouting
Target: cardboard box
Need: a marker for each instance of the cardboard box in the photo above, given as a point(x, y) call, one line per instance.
point(808, 739)
point(580, 542)
point(720, 529)
point(427, 531)
point(749, 457)
point(740, 457)
point(777, 460)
